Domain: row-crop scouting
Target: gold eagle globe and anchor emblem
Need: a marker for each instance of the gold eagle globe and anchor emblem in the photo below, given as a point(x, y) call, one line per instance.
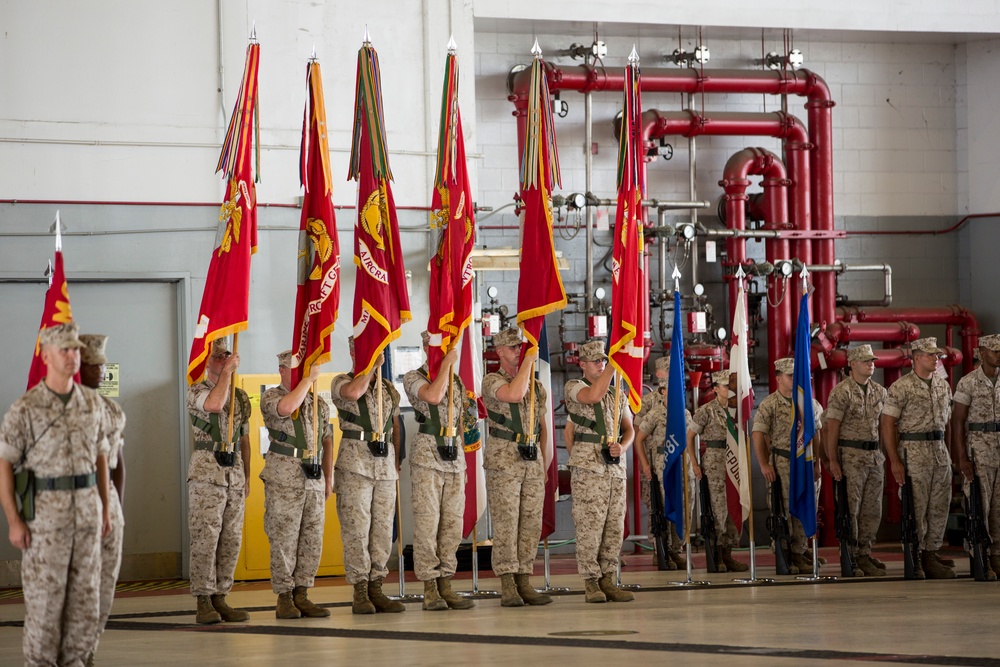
point(231, 215)
point(371, 216)
point(315, 242)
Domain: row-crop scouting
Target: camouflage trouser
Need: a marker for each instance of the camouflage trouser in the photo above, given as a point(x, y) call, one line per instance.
point(931, 499)
point(865, 483)
point(60, 574)
point(215, 521)
point(366, 508)
point(798, 535)
point(516, 513)
point(673, 542)
point(438, 500)
point(989, 481)
point(599, 515)
point(293, 521)
point(713, 465)
point(111, 557)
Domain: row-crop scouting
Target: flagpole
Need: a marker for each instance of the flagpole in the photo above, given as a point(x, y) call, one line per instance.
point(684, 486)
point(315, 421)
point(228, 445)
point(753, 579)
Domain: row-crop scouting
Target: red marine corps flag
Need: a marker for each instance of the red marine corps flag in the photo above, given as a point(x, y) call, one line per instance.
point(628, 317)
point(451, 282)
point(381, 302)
point(55, 312)
point(318, 295)
point(225, 304)
point(539, 289)
point(453, 215)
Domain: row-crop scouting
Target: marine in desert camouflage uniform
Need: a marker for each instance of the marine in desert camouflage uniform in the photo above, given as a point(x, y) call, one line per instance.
point(711, 422)
point(598, 481)
point(975, 427)
point(915, 421)
point(55, 432)
point(772, 431)
point(513, 461)
point(853, 451)
point(92, 362)
point(649, 439)
point(365, 480)
point(217, 492)
point(298, 480)
point(437, 476)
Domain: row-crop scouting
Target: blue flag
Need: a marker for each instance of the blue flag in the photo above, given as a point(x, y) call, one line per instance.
point(801, 492)
point(676, 440)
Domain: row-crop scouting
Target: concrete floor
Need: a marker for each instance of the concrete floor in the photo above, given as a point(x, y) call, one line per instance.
point(789, 622)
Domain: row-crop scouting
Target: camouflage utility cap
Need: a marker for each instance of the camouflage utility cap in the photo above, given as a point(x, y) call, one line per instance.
point(991, 342)
point(663, 364)
point(927, 346)
point(593, 351)
point(861, 353)
point(784, 365)
point(92, 353)
point(220, 346)
point(509, 337)
point(721, 377)
point(62, 336)
point(425, 337)
point(285, 358)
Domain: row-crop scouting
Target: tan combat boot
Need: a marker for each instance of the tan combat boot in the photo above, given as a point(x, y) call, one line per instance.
point(508, 592)
point(593, 592)
point(611, 590)
point(801, 563)
point(454, 601)
point(228, 614)
point(206, 614)
point(361, 604)
point(947, 562)
point(383, 605)
point(432, 598)
point(528, 592)
point(809, 556)
point(677, 559)
point(300, 598)
point(879, 564)
point(286, 607)
point(934, 568)
point(867, 566)
point(732, 565)
point(995, 564)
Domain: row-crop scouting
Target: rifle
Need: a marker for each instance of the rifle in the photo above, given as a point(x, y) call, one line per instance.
point(777, 524)
point(713, 556)
point(844, 527)
point(908, 525)
point(657, 522)
point(976, 535)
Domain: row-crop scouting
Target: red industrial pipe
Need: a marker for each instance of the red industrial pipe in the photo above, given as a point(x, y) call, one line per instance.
point(838, 333)
point(946, 315)
point(735, 182)
point(657, 124)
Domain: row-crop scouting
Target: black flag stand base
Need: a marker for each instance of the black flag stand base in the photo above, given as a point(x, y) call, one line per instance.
point(549, 588)
point(753, 578)
point(815, 576)
point(689, 582)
